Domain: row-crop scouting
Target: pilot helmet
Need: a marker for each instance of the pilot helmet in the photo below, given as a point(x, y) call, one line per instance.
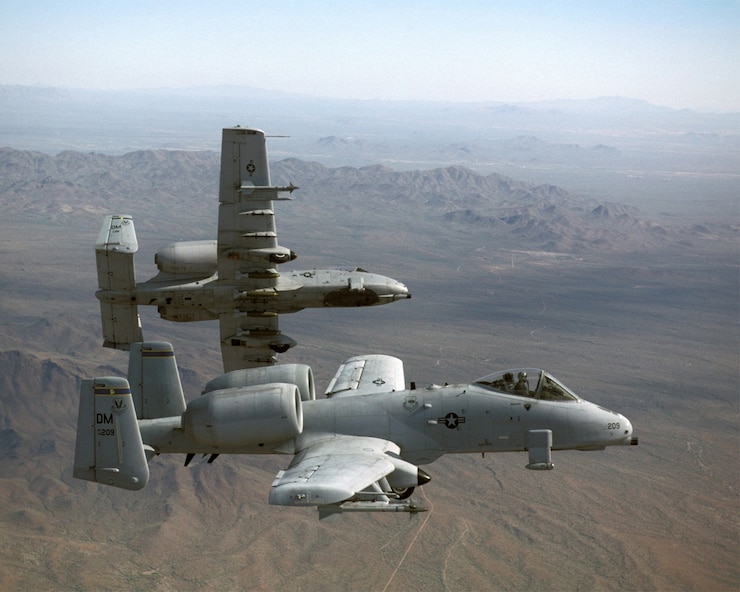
point(522, 376)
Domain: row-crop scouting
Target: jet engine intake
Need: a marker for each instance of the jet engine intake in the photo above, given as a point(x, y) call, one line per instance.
point(243, 417)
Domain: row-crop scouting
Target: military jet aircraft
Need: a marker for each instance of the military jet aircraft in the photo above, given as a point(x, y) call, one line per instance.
point(233, 279)
point(356, 450)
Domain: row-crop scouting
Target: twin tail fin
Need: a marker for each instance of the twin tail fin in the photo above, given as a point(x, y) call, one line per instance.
point(109, 448)
point(114, 255)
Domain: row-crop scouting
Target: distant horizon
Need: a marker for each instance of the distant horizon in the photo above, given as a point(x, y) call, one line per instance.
point(241, 90)
point(681, 54)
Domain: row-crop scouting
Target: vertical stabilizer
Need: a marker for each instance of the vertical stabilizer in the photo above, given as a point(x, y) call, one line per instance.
point(155, 383)
point(114, 253)
point(109, 449)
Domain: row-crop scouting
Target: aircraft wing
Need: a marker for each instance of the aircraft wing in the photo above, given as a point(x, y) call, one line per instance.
point(248, 252)
point(333, 470)
point(363, 375)
point(251, 339)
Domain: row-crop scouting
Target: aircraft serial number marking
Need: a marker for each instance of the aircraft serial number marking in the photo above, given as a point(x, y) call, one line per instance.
point(106, 432)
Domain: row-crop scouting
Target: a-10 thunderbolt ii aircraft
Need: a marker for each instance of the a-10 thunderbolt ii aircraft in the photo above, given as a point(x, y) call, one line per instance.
point(357, 449)
point(233, 279)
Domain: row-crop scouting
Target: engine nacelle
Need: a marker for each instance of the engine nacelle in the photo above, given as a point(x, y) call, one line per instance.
point(245, 417)
point(297, 374)
point(188, 258)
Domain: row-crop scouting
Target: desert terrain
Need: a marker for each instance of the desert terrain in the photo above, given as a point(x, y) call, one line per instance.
point(631, 301)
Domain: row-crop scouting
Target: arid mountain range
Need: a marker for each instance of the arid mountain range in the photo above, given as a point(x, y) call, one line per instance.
point(635, 311)
point(545, 217)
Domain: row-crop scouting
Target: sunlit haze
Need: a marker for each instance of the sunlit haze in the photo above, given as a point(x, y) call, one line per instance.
point(673, 53)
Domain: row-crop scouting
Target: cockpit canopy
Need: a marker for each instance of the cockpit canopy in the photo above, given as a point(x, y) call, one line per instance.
point(528, 382)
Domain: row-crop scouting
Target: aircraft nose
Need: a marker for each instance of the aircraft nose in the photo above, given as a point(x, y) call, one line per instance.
point(400, 291)
point(628, 439)
point(394, 290)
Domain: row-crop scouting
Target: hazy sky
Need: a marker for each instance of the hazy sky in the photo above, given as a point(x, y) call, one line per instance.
point(676, 53)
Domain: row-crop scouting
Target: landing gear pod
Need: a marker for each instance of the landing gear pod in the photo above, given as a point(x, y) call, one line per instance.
point(539, 445)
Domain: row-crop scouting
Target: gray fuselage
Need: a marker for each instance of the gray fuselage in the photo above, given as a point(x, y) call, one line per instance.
point(428, 423)
point(203, 299)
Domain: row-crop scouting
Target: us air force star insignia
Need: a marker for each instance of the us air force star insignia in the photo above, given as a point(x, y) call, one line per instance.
point(451, 420)
point(251, 168)
point(378, 381)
